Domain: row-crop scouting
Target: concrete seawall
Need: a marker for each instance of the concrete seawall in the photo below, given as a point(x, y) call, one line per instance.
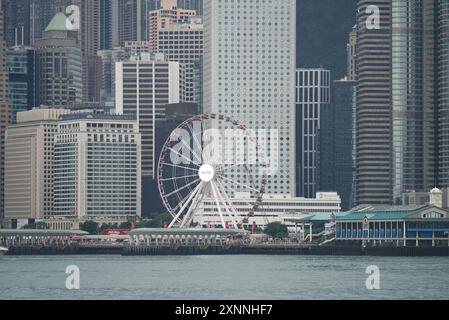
point(230, 250)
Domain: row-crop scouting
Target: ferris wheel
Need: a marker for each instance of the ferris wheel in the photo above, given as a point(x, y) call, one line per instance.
point(201, 162)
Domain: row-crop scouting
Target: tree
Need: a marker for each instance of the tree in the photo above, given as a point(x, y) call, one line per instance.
point(90, 226)
point(276, 230)
point(36, 226)
point(125, 225)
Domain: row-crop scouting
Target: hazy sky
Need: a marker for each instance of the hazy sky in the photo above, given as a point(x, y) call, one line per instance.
point(323, 28)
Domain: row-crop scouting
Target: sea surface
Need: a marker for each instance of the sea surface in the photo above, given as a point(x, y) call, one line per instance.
point(223, 277)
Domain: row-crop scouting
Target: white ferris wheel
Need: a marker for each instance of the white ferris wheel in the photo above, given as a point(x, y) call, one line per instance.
point(197, 166)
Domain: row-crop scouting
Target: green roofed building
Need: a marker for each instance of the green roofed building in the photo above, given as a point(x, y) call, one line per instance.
point(425, 225)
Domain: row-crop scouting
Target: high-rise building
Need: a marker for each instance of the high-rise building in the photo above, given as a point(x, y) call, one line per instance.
point(443, 105)
point(397, 96)
point(92, 77)
point(133, 19)
point(20, 65)
point(143, 88)
point(29, 164)
point(108, 59)
point(313, 95)
point(196, 5)
point(167, 14)
point(374, 162)
point(249, 74)
point(41, 13)
point(337, 143)
point(4, 110)
point(17, 22)
point(59, 65)
point(351, 53)
point(96, 167)
point(183, 42)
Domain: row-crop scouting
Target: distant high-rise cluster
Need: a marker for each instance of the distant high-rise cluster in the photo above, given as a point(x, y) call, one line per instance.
point(401, 121)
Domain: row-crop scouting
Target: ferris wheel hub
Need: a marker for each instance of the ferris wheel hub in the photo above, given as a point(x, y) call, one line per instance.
point(206, 173)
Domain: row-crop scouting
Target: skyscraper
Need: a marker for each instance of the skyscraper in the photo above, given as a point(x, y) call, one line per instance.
point(97, 167)
point(59, 65)
point(41, 13)
point(17, 22)
point(158, 19)
point(351, 51)
point(249, 73)
point(29, 164)
point(397, 100)
point(4, 111)
point(374, 165)
point(443, 80)
point(183, 42)
point(133, 19)
point(414, 95)
point(313, 99)
point(337, 143)
point(20, 65)
point(143, 88)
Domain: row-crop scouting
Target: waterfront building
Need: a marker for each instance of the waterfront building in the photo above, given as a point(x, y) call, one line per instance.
point(20, 66)
point(58, 65)
point(97, 171)
point(249, 74)
point(275, 208)
point(143, 88)
point(425, 225)
point(337, 143)
point(183, 42)
point(4, 111)
point(29, 164)
point(167, 14)
point(313, 102)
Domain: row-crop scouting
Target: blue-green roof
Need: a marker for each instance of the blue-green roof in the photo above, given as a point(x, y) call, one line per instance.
point(58, 23)
point(389, 215)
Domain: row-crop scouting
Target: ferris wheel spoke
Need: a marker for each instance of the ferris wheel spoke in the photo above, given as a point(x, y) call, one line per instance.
point(191, 150)
point(183, 188)
point(186, 203)
point(238, 183)
point(227, 205)
point(179, 167)
point(196, 142)
point(184, 157)
point(190, 214)
point(217, 202)
point(179, 177)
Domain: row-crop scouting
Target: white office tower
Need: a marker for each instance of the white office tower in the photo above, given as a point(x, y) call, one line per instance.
point(97, 172)
point(249, 74)
point(143, 88)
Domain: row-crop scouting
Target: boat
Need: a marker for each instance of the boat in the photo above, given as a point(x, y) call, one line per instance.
point(3, 251)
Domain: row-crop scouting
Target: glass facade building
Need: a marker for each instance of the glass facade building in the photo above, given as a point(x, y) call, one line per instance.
point(21, 74)
point(413, 95)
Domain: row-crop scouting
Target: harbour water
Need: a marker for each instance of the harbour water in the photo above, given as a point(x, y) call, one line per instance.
point(223, 277)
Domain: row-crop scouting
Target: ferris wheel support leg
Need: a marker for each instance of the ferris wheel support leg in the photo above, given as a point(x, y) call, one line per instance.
point(190, 214)
point(217, 201)
point(231, 212)
point(185, 205)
